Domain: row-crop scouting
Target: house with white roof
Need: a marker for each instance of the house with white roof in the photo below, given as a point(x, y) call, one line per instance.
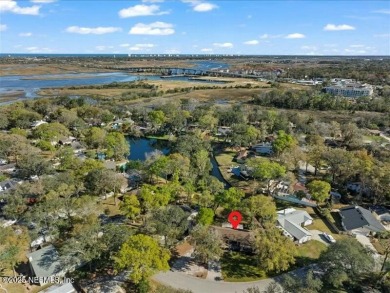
point(293, 223)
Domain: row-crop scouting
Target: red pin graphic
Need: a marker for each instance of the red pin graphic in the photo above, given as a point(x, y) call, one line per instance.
point(235, 218)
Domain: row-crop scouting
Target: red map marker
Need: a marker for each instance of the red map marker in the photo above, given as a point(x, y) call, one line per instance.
point(235, 218)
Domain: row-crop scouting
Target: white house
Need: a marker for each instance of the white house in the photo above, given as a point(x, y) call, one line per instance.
point(293, 222)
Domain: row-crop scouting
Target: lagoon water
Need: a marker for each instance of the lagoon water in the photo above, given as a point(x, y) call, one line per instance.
point(30, 84)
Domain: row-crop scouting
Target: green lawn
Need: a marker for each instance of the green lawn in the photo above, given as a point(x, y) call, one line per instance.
point(309, 251)
point(240, 267)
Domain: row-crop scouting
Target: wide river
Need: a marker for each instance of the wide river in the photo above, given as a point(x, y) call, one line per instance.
point(29, 85)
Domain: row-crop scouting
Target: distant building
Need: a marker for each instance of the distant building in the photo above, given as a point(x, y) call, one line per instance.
point(293, 222)
point(348, 88)
point(360, 221)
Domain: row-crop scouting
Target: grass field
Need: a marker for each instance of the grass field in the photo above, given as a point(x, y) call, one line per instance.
point(240, 267)
point(89, 92)
point(309, 251)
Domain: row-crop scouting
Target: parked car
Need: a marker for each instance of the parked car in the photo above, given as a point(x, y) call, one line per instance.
point(329, 237)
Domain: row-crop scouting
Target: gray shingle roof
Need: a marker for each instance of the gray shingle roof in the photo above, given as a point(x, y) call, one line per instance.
point(355, 217)
point(7, 185)
point(45, 262)
point(291, 221)
point(295, 230)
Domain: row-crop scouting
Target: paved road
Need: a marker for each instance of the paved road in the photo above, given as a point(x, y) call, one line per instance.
point(181, 280)
point(196, 285)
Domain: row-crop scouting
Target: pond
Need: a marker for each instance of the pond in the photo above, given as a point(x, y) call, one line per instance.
point(139, 147)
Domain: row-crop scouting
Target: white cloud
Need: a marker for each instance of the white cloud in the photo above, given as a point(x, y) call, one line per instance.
point(267, 36)
point(252, 42)
point(38, 50)
point(172, 51)
point(206, 50)
point(200, 6)
point(92, 30)
point(223, 45)
point(382, 11)
point(124, 45)
point(157, 28)
point(141, 10)
point(309, 48)
point(13, 7)
point(103, 48)
point(152, 1)
point(357, 46)
point(25, 34)
point(340, 27)
point(295, 36)
point(139, 47)
point(330, 45)
point(43, 1)
point(3, 27)
point(352, 51)
point(204, 7)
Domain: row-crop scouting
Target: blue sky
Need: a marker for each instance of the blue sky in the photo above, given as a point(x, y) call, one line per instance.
point(195, 27)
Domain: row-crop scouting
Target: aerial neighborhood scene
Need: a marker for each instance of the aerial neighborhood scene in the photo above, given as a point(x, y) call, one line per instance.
point(194, 146)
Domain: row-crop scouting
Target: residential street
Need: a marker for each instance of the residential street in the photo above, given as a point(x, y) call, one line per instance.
point(196, 285)
point(181, 280)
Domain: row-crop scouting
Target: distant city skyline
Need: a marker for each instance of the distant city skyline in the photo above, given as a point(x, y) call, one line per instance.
point(195, 27)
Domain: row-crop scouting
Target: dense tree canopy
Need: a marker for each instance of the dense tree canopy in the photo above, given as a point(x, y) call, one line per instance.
point(319, 190)
point(208, 245)
point(142, 256)
point(274, 251)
